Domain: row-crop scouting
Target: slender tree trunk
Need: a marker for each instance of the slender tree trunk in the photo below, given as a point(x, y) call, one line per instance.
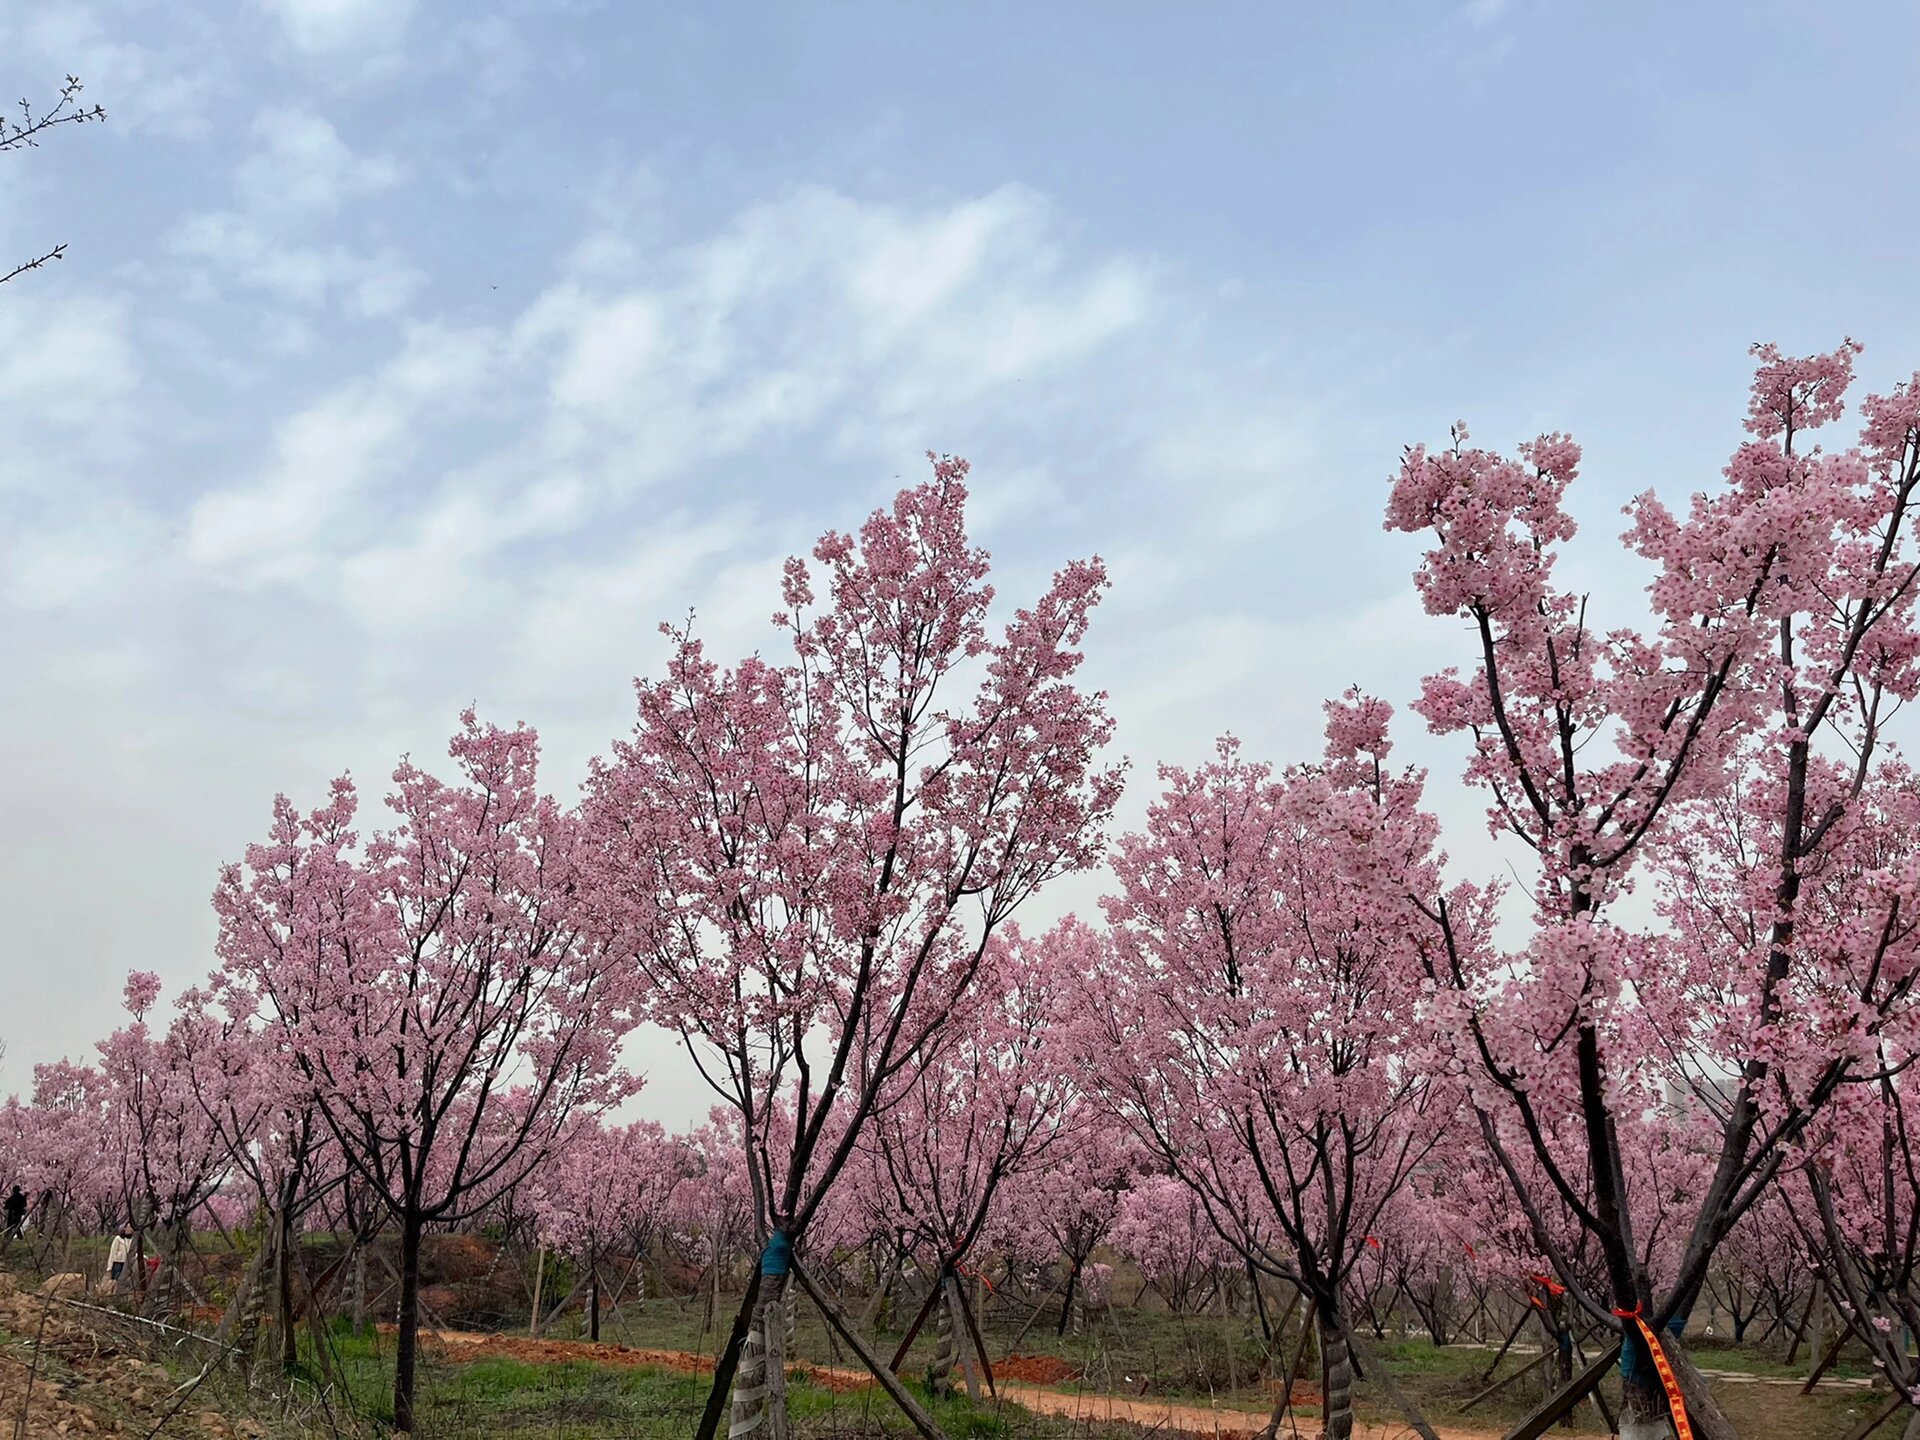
point(1259, 1303)
point(1066, 1305)
point(539, 1279)
point(870, 1317)
point(240, 1325)
point(359, 1287)
point(407, 1338)
point(283, 1255)
point(593, 1304)
point(1336, 1379)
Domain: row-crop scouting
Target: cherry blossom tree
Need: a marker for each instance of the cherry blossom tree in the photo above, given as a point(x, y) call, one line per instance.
point(57, 1146)
point(606, 1187)
point(1856, 1204)
point(1783, 636)
point(172, 1157)
point(810, 859)
point(266, 1117)
point(1164, 1229)
point(439, 991)
point(1054, 1217)
point(990, 1103)
point(1263, 1019)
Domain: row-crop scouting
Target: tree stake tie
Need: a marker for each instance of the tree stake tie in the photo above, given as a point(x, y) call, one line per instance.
point(1676, 1402)
point(979, 1275)
point(776, 1258)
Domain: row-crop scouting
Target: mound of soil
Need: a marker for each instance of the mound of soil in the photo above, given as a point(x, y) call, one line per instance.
point(1035, 1369)
point(87, 1385)
point(452, 1259)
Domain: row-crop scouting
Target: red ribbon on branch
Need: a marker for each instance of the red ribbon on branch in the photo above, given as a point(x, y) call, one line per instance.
point(1676, 1402)
point(979, 1275)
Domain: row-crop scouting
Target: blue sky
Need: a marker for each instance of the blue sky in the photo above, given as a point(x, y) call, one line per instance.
point(412, 354)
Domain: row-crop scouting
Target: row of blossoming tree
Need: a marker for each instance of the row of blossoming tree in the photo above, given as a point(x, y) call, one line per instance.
point(1301, 1055)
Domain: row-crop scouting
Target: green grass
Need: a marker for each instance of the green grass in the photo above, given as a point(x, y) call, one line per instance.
point(579, 1399)
point(1211, 1359)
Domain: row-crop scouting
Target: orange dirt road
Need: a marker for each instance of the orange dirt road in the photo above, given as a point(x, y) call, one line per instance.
point(1197, 1422)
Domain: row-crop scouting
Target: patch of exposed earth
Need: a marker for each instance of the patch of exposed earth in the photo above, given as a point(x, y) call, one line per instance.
point(86, 1384)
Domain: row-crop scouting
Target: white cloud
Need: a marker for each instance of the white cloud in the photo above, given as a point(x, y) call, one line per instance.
point(301, 169)
point(299, 174)
point(819, 305)
point(231, 247)
point(281, 527)
point(357, 31)
point(1484, 12)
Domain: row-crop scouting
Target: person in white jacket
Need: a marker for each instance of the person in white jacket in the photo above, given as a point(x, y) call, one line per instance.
point(118, 1254)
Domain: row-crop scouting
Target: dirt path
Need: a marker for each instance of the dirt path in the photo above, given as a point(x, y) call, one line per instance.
point(1167, 1418)
point(1197, 1422)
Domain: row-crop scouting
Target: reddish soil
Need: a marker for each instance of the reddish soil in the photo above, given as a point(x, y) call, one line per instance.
point(1037, 1369)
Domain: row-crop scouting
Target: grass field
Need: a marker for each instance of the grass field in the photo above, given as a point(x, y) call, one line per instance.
point(1212, 1361)
point(1221, 1361)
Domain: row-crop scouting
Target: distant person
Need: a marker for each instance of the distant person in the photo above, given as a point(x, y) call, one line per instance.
point(117, 1256)
point(16, 1214)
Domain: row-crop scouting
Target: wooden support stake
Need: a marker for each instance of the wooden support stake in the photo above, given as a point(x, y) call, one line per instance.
point(1506, 1380)
point(1826, 1360)
point(922, 1421)
point(1377, 1368)
point(1555, 1406)
point(913, 1330)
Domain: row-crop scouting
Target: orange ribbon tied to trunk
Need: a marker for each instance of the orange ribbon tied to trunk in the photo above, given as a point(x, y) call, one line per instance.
point(1676, 1402)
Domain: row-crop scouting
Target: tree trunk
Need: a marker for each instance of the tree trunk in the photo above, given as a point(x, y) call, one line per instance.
point(940, 1367)
point(1072, 1297)
point(163, 1298)
point(539, 1279)
point(759, 1387)
point(773, 1317)
point(283, 1253)
point(726, 1367)
point(870, 1317)
point(240, 1325)
point(407, 1338)
point(593, 1305)
point(750, 1382)
point(1336, 1379)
